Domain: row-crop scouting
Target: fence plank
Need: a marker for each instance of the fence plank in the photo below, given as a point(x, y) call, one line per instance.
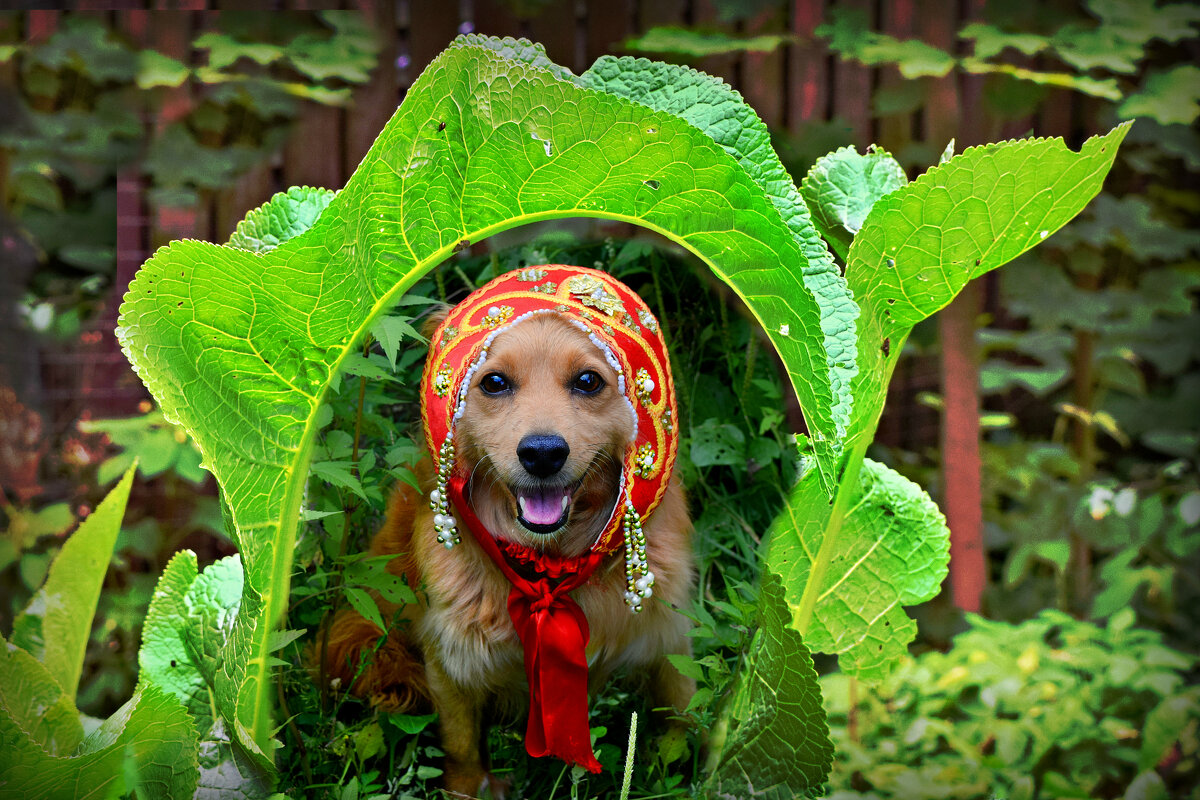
point(762, 74)
point(895, 130)
point(374, 103)
point(556, 27)
point(807, 67)
point(431, 26)
point(852, 87)
point(608, 24)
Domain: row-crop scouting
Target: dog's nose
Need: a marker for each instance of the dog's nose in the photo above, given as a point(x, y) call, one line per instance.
point(542, 455)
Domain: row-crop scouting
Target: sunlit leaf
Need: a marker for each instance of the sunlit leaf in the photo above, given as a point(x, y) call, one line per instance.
point(55, 626)
point(284, 216)
point(1171, 97)
point(240, 347)
point(842, 187)
point(699, 44)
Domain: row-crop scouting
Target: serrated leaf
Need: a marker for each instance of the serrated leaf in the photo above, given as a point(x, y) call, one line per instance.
point(1164, 726)
point(240, 348)
point(390, 331)
point(284, 216)
point(782, 299)
point(55, 626)
point(841, 188)
point(163, 658)
point(152, 734)
point(777, 740)
point(922, 244)
point(893, 551)
point(365, 606)
point(1171, 97)
point(694, 43)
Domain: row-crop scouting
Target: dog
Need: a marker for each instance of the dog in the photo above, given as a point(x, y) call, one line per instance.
point(538, 441)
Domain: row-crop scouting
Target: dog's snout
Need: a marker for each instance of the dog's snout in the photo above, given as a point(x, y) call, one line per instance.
point(542, 455)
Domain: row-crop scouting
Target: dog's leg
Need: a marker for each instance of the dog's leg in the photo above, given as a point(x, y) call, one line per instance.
point(460, 716)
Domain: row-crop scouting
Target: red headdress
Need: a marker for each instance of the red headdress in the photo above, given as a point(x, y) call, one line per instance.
point(551, 626)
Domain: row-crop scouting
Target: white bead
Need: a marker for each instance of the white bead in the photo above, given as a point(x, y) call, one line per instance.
point(641, 583)
point(647, 385)
point(435, 496)
point(648, 578)
point(647, 592)
point(494, 311)
point(449, 544)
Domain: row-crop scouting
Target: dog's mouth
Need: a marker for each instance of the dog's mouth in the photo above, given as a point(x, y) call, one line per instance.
point(543, 509)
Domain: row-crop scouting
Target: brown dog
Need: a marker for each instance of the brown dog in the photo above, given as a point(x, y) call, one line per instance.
point(544, 435)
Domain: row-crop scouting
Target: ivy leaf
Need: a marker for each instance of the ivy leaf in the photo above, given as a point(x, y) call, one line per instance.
point(149, 740)
point(155, 69)
point(240, 348)
point(1097, 48)
point(775, 296)
point(841, 188)
point(894, 551)
point(700, 44)
point(773, 737)
point(284, 216)
point(990, 41)
point(55, 626)
point(224, 50)
point(1171, 97)
point(850, 37)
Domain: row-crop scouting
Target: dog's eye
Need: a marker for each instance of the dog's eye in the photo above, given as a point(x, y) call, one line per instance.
point(494, 383)
point(588, 382)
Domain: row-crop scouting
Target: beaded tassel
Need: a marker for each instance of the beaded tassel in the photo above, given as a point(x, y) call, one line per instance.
point(638, 577)
point(439, 501)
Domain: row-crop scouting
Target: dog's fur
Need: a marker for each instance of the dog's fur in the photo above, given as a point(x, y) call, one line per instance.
point(456, 648)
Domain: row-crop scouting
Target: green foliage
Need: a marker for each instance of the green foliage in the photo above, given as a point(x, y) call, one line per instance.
point(698, 44)
point(75, 124)
point(148, 746)
point(1050, 708)
point(292, 333)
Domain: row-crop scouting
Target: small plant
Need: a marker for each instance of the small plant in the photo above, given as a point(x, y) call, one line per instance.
point(1050, 708)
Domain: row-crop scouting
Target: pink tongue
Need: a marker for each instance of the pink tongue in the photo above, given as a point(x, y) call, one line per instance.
point(542, 506)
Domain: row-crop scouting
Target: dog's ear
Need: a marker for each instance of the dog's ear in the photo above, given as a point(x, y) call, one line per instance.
point(435, 318)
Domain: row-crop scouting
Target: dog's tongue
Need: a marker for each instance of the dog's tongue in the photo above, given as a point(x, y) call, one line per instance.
point(543, 506)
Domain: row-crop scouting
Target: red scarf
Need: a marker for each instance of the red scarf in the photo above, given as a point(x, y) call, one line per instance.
point(550, 624)
point(554, 632)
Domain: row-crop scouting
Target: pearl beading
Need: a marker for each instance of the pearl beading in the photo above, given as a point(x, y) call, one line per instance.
point(439, 500)
point(639, 580)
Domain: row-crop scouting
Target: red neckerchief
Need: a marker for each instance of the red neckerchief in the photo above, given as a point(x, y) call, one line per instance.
point(554, 633)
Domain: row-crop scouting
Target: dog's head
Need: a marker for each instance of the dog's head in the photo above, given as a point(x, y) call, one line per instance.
point(544, 433)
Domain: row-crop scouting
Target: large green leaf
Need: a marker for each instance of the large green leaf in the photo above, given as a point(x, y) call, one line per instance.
point(54, 627)
point(284, 216)
point(918, 248)
point(183, 645)
point(239, 348)
point(895, 551)
point(842, 187)
point(35, 712)
point(776, 743)
point(781, 296)
point(148, 745)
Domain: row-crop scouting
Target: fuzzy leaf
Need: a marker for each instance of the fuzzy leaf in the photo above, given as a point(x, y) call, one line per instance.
point(894, 552)
point(240, 348)
point(163, 659)
point(150, 739)
point(777, 744)
point(841, 188)
point(55, 626)
point(790, 299)
point(285, 215)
